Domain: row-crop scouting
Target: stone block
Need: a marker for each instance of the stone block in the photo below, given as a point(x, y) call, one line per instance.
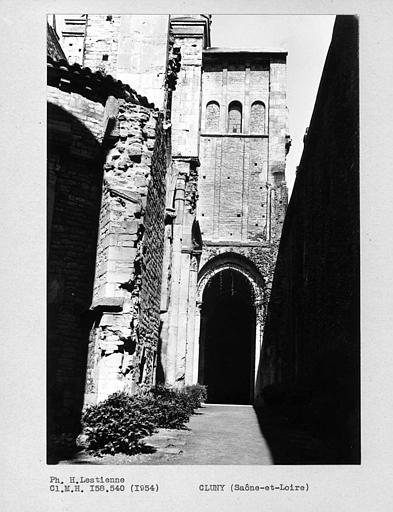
point(134, 149)
point(121, 253)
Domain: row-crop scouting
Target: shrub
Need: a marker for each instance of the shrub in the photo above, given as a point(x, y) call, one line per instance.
point(175, 406)
point(172, 407)
point(197, 394)
point(119, 423)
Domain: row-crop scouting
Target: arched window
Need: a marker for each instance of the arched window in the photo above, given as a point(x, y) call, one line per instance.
point(212, 116)
point(257, 118)
point(235, 117)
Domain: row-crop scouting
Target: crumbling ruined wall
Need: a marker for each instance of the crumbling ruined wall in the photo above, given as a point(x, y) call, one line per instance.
point(107, 162)
point(153, 248)
point(126, 296)
point(129, 255)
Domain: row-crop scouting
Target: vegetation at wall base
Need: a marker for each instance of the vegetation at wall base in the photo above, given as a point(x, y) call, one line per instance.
point(120, 423)
point(197, 394)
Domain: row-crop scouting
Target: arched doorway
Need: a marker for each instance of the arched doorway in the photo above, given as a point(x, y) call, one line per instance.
point(227, 338)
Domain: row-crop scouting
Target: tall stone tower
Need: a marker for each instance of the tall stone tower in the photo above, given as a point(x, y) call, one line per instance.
point(243, 138)
point(242, 202)
point(229, 144)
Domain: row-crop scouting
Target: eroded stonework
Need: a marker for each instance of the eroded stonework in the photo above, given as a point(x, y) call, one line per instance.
point(130, 249)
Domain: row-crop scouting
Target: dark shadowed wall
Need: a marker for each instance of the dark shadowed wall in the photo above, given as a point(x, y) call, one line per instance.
point(311, 349)
point(74, 196)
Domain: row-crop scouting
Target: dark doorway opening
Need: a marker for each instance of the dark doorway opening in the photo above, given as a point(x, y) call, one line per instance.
point(227, 339)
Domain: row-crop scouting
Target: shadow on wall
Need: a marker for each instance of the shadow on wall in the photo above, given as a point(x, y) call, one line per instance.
point(73, 201)
point(310, 361)
point(160, 374)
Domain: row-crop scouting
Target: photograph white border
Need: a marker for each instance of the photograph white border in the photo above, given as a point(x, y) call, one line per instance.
point(25, 475)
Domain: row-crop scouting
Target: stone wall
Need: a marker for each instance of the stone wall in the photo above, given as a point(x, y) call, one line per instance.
point(241, 185)
point(263, 256)
point(73, 37)
point(186, 114)
point(74, 193)
point(129, 255)
point(143, 54)
point(243, 195)
point(87, 114)
point(101, 43)
point(153, 252)
point(132, 48)
point(107, 163)
point(311, 343)
point(182, 247)
point(107, 251)
point(242, 200)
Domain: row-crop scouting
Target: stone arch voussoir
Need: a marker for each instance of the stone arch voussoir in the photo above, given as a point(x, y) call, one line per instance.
point(232, 261)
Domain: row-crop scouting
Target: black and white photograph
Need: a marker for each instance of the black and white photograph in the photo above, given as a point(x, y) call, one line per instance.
point(196, 314)
point(195, 267)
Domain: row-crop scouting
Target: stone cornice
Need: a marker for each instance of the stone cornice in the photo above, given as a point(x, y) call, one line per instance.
point(251, 52)
point(191, 159)
point(192, 26)
point(238, 135)
point(128, 195)
point(107, 304)
point(230, 243)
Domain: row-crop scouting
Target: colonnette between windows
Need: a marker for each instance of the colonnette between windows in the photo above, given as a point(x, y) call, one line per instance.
point(235, 117)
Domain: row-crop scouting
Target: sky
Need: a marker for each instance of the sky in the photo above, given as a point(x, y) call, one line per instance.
point(306, 38)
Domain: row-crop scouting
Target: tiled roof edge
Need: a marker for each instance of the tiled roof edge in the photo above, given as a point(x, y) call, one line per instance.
point(92, 84)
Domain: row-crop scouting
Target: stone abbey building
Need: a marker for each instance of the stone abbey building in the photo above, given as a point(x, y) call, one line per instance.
point(169, 259)
point(166, 199)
